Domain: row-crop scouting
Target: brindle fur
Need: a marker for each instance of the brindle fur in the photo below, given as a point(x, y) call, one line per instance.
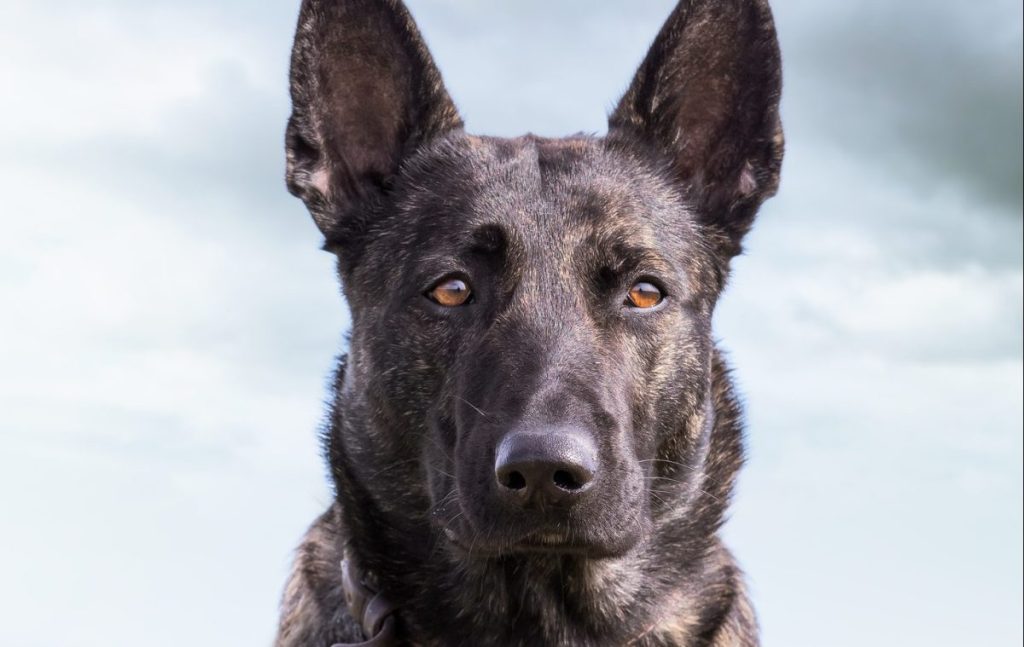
point(550, 233)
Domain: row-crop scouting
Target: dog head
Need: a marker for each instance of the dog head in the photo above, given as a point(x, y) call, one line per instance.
point(531, 318)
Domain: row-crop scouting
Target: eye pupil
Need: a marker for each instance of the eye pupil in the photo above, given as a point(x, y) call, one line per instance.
point(644, 295)
point(451, 293)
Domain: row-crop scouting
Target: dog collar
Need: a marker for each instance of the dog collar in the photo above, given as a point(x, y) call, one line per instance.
point(369, 608)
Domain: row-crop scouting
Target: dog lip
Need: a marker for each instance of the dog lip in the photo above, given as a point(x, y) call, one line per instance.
point(553, 548)
point(547, 538)
point(551, 543)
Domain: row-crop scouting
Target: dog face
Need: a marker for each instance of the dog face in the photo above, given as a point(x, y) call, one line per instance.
point(532, 317)
point(547, 298)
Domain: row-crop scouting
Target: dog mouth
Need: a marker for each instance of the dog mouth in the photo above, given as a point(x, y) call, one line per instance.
point(472, 529)
point(550, 542)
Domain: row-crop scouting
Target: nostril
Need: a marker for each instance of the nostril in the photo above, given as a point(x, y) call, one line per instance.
point(556, 466)
point(565, 480)
point(514, 480)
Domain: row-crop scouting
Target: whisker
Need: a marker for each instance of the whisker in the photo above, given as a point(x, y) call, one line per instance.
point(392, 466)
point(692, 468)
point(665, 478)
point(703, 491)
point(445, 500)
point(474, 407)
point(684, 484)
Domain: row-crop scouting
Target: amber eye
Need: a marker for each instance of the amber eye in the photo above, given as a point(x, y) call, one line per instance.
point(644, 295)
point(451, 293)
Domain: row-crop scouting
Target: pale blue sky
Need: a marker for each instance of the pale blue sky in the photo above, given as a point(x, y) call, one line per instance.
point(169, 323)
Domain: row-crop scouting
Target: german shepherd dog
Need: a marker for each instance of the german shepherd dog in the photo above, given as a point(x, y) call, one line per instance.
point(533, 438)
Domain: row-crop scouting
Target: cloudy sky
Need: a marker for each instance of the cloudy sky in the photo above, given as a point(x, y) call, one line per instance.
point(169, 323)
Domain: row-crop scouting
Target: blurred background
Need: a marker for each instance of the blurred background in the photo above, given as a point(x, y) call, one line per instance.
point(168, 323)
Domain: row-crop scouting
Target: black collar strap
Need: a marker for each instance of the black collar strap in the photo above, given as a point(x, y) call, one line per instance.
point(373, 613)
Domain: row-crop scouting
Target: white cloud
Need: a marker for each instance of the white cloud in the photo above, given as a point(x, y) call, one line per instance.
point(169, 327)
point(164, 348)
point(90, 70)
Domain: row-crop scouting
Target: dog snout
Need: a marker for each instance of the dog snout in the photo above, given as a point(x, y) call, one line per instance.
point(540, 467)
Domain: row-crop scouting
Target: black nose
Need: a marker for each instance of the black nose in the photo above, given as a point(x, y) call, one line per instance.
point(545, 466)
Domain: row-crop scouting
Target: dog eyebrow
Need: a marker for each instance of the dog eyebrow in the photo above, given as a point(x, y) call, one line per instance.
point(488, 239)
point(622, 257)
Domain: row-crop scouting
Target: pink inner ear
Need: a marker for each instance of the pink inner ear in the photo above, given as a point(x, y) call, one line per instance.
point(320, 180)
point(747, 183)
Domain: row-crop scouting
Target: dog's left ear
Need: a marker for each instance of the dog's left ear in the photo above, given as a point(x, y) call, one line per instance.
point(707, 98)
point(365, 95)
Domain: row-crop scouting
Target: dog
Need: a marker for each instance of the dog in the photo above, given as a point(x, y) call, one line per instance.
point(533, 438)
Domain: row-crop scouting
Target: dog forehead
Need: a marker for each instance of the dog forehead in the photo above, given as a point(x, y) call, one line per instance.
point(546, 186)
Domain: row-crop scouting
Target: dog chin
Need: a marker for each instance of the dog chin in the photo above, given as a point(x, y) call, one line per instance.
point(542, 543)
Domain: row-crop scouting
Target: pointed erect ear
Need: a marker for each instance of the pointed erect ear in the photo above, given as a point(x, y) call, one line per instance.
point(706, 98)
point(365, 95)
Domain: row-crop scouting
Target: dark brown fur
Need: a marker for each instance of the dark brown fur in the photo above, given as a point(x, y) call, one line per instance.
point(551, 233)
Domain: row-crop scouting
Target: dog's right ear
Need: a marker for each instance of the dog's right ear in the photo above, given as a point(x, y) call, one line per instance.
point(365, 94)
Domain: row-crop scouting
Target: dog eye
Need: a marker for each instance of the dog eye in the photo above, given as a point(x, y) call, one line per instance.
point(450, 293)
point(644, 295)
